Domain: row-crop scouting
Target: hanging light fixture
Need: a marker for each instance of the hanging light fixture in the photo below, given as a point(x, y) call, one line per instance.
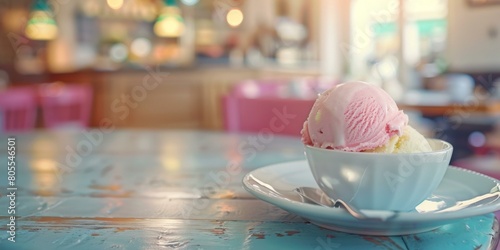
point(41, 24)
point(170, 22)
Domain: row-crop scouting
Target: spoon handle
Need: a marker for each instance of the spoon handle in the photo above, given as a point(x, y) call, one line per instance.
point(355, 212)
point(467, 203)
point(317, 197)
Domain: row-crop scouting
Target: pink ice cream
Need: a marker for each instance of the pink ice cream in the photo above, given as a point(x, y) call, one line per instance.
point(353, 116)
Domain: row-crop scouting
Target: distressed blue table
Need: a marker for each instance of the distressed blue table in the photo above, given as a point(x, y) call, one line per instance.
point(138, 189)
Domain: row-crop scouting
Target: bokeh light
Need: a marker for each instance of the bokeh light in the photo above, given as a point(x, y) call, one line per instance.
point(234, 17)
point(115, 4)
point(118, 52)
point(190, 2)
point(141, 47)
point(477, 139)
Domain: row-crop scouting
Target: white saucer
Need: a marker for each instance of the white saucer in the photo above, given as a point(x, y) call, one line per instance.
point(275, 184)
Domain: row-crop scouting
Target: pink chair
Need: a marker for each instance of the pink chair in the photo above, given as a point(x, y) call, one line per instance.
point(300, 88)
point(261, 88)
point(18, 109)
point(265, 106)
point(65, 105)
point(276, 115)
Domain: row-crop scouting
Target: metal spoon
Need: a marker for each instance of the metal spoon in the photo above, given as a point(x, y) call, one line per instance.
point(318, 197)
point(494, 193)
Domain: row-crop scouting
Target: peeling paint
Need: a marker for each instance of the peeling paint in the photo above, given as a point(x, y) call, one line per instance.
point(106, 187)
point(218, 231)
point(121, 229)
point(331, 236)
point(372, 240)
point(259, 236)
point(291, 233)
point(417, 238)
point(391, 242)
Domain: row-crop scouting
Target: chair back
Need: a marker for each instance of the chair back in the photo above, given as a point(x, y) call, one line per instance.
point(66, 105)
point(278, 106)
point(260, 88)
point(18, 109)
point(266, 115)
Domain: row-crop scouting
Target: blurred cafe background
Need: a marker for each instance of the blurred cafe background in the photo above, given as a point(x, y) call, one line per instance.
point(227, 65)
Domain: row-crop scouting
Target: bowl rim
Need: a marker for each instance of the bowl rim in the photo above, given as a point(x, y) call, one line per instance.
point(447, 147)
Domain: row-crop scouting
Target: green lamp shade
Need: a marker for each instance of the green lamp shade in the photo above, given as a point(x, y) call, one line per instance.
point(170, 23)
point(41, 24)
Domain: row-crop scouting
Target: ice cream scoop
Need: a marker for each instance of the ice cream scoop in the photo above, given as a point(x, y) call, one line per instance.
point(410, 142)
point(361, 150)
point(354, 116)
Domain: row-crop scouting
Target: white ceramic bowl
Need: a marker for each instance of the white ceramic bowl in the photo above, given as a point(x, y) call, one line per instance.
point(380, 181)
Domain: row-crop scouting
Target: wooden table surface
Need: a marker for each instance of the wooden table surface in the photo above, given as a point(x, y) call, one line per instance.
point(135, 189)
